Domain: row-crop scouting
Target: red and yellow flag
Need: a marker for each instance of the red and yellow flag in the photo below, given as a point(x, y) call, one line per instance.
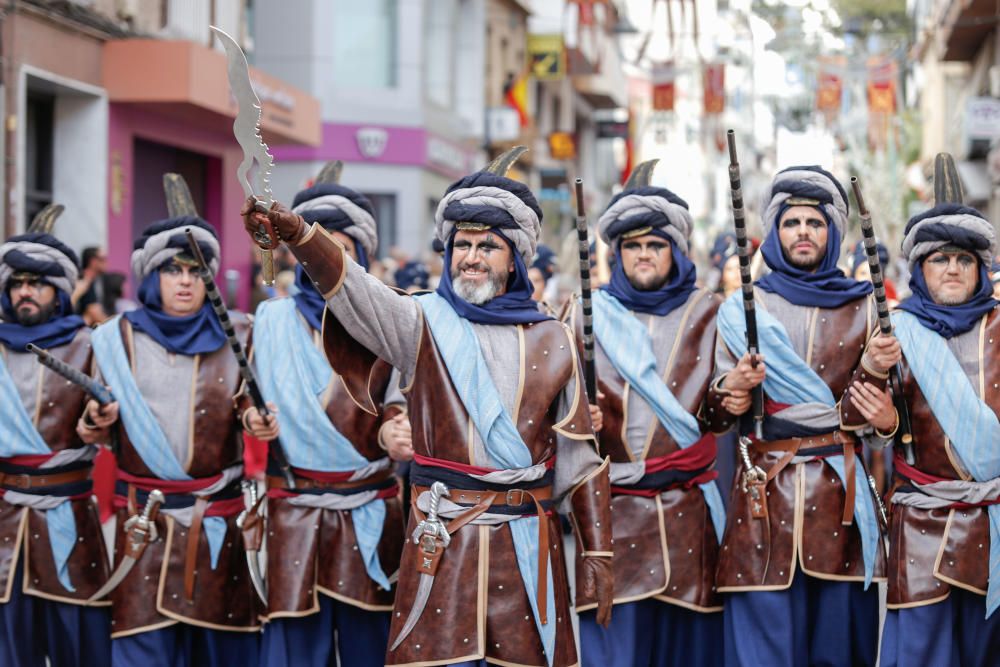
point(517, 98)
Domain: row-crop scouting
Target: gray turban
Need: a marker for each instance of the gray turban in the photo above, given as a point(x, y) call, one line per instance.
point(809, 186)
point(949, 224)
point(341, 209)
point(641, 210)
point(484, 200)
point(42, 255)
point(164, 240)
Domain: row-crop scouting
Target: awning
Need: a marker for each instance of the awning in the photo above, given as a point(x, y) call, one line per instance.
point(188, 81)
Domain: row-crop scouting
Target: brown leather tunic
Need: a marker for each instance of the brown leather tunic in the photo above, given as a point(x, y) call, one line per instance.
point(313, 550)
point(58, 406)
point(930, 551)
point(665, 547)
point(152, 595)
point(478, 607)
point(805, 502)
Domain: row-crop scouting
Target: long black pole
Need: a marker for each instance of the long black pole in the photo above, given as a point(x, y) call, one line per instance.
point(884, 323)
point(589, 372)
point(275, 448)
point(746, 281)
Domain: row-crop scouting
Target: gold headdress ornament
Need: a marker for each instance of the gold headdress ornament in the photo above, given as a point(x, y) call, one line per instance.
point(179, 201)
point(330, 173)
point(947, 183)
point(45, 219)
point(640, 177)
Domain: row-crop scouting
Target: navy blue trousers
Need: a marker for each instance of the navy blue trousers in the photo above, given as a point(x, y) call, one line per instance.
point(814, 622)
point(951, 632)
point(70, 635)
point(183, 645)
point(650, 633)
point(359, 636)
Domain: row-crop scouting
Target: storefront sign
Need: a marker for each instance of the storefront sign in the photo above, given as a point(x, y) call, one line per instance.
point(546, 57)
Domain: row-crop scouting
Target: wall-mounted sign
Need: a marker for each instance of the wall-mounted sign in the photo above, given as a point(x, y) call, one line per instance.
point(372, 141)
point(612, 129)
point(562, 146)
point(546, 57)
point(504, 124)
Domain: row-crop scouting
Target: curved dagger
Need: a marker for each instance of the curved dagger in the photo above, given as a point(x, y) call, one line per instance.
point(246, 128)
point(141, 531)
point(431, 537)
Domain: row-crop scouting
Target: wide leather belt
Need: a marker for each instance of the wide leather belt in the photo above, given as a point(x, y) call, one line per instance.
point(792, 447)
point(307, 484)
point(24, 481)
point(510, 497)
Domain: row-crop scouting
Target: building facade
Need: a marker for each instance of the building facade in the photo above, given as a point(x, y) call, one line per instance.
point(103, 97)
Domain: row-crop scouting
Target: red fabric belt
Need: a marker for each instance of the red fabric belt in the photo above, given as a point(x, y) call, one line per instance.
point(465, 468)
point(383, 494)
point(167, 485)
point(695, 457)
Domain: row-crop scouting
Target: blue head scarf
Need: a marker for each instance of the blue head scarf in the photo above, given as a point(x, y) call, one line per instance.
point(961, 226)
point(674, 293)
point(63, 326)
point(827, 287)
point(412, 274)
point(515, 306)
point(198, 333)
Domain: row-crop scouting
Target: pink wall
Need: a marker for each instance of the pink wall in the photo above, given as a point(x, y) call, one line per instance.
point(224, 196)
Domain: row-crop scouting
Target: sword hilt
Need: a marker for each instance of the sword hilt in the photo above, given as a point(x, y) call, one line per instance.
point(141, 527)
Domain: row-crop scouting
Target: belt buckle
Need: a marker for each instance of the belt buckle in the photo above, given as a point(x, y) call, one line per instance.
point(520, 497)
point(21, 481)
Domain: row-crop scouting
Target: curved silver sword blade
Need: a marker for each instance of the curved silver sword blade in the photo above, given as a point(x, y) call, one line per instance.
point(246, 127)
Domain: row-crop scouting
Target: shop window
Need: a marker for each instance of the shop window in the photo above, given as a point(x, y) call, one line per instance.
point(385, 219)
point(365, 38)
point(39, 130)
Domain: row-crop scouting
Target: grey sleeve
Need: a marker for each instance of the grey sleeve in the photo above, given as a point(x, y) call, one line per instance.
point(384, 321)
point(576, 457)
point(393, 395)
point(724, 359)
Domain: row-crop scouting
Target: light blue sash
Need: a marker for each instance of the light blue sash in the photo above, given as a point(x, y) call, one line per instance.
point(19, 437)
point(629, 347)
point(144, 432)
point(295, 375)
point(790, 380)
point(970, 424)
point(459, 347)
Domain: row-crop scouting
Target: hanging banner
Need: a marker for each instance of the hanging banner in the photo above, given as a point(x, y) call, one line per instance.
point(714, 85)
point(882, 75)
point(830, 84)
point(664, 78)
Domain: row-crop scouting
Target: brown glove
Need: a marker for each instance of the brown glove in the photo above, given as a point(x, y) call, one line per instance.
point(597, 582)
point(289, 226)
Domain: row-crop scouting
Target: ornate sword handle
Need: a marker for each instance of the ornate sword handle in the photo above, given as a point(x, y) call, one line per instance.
point(430, 529)
point(751, 474)
point(142, 527)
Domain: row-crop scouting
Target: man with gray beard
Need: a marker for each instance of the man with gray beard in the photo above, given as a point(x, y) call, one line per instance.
point(501, 431)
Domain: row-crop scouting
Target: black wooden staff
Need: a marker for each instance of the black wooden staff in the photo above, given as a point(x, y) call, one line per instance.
point(589, 372)
point(746, 281)
point(80, 379)
point(884, 323)
point(275, 448)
